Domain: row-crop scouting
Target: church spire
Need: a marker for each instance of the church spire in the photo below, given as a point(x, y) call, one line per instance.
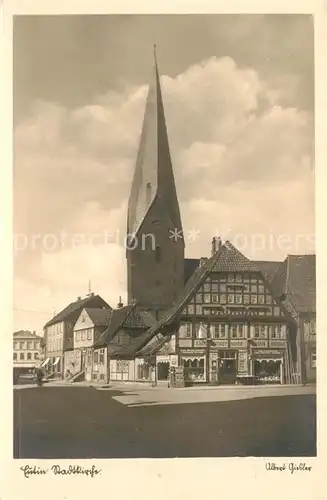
point(153, 175)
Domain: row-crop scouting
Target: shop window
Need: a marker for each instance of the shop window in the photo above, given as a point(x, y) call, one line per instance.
point(143, 371)
point(194, 369)
point(313, 359)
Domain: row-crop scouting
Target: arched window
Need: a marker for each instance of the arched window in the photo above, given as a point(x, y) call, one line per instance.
point(158, 254)
point(148, 193)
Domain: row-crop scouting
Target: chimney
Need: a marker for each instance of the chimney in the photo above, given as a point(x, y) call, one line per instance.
point(79, 298)
point(120, 304)
point(203, 260)
point(216, 244)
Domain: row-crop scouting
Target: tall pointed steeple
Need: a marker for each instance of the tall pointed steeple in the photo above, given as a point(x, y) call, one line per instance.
point(153, 175)
point(155, 267)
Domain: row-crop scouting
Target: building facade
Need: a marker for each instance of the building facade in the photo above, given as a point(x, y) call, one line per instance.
point(82, 359)
point(58, 333)
point(295, 284)
point(27, 351)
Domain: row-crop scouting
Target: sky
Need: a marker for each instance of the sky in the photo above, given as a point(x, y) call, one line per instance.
point(238, 93)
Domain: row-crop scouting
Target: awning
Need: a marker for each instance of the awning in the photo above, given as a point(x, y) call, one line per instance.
point(56, 361)
point(268, 360)
point(45, 362)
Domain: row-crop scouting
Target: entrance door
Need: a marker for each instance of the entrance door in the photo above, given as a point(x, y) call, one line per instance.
point(227, 371)
point(163, 370)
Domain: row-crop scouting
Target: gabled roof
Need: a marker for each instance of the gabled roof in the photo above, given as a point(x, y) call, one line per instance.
point(74, 309)
point(127, 317)
point(296, 280)
point(269, 268)
point(226, 259)
point(99, 316)
point(153, 176)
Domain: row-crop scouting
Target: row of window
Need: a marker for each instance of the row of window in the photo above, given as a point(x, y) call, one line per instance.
point(29, 344)
point(234, 277)
point(98, 357)
point(83, 335)
point(223, 287)
point(55, 345)
point(29, 356)
point(232, 298)
point(232, 330)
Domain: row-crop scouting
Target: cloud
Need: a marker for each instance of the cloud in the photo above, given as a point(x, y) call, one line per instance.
point(242, 161)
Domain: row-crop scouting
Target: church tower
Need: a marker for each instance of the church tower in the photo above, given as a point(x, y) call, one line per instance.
point(155, 243)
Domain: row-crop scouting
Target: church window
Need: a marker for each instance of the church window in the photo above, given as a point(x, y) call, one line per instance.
point(148, 193)
point(158, 254)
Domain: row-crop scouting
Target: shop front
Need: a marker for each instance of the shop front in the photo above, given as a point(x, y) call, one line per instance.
point(268, 366)
point(194, 364)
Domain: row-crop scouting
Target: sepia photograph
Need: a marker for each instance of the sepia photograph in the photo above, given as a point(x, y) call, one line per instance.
point(164, 236)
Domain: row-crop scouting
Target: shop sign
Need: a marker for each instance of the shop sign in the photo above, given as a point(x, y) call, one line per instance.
point(163, 359)
point(185, 342)
point(214, 355)
point(265, 352)
point(220, 343)
point(200, 342)
point(193, 351)
point(277, 343)
point(174, 360)
point(260, 343)
point(238, 343)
